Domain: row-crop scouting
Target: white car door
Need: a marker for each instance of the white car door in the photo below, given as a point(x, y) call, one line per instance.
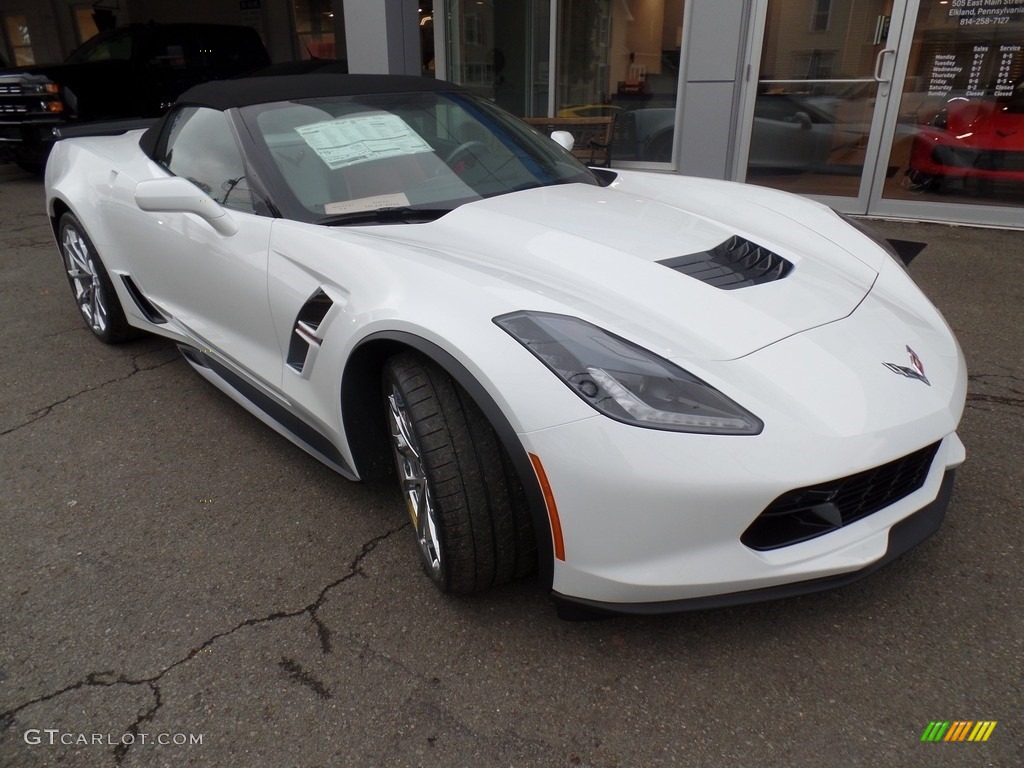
point(211, 281)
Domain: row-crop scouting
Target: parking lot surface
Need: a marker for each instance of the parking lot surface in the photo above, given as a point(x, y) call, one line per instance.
point(183, 587)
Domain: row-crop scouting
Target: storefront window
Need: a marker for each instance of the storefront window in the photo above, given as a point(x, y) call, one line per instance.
point(621, 58)
point(960, 137)
point(816, 94)
point(499, 50)
point(614, 58)
point(426, 27)
point(314, 28)
point(85, 23)
point(19, 40)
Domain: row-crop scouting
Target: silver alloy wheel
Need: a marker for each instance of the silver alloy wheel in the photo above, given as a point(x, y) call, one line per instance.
point(415, 487)
point(85, 279)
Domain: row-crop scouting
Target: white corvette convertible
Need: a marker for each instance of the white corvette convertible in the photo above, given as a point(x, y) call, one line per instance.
point(659, 392)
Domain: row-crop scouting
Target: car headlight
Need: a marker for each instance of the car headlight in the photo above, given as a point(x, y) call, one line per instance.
point(624, 381)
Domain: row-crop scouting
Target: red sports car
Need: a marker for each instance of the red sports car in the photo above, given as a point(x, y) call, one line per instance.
point(969, 139)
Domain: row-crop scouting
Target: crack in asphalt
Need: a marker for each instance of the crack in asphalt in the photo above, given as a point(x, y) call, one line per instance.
point(107, 679)
point(43, 412)
point(122, 749)
point(75, 329)
point(1007, 400)
point(300, 675)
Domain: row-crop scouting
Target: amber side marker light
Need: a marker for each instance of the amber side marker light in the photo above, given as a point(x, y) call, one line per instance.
point(549, 502)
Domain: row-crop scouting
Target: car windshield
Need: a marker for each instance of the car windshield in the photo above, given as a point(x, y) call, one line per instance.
point(115, 45)
point(343, 158)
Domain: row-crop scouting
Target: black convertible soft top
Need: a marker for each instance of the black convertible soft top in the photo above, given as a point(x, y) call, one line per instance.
point(241, 92)
point(244, 91)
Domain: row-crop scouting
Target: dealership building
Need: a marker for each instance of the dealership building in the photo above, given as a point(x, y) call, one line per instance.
point(898, 108)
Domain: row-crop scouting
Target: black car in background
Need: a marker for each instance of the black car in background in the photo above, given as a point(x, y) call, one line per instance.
point(133, 71)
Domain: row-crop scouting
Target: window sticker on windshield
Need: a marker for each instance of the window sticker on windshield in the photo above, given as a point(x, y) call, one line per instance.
point(397, 200)
point(357, 139)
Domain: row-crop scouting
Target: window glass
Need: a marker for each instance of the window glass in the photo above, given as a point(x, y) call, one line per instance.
point(499, 50)
point(351, 154)
point(314, 27)
point(19, 40)
point(108, 46)
point(960, 137)
point(821, 16)
point(817, 94)
point(200, 147)
point(621, 58)
point(85, 22)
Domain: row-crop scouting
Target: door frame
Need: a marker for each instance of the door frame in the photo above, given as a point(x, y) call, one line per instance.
point(884, 75)
point(892, 71)
point(1003, 216)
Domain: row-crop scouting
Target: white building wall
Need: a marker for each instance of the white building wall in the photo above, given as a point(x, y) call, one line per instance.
point(712, 70)
point(382, 37)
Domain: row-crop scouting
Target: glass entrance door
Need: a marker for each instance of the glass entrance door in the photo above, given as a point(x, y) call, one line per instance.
point(823, 87)
point(910, 108)
point(956, 129)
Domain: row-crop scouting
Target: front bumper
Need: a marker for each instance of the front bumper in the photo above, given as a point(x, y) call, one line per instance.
point(655, 517)
point(903, 537)
point(651, 517)
point(29, 131)
point(939, 155)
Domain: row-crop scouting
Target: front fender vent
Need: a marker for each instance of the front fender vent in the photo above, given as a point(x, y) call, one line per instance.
point(306, 337)
point(736, 263)
point(145, 306)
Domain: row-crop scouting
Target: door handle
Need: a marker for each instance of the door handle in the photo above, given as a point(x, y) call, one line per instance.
point(880, 64)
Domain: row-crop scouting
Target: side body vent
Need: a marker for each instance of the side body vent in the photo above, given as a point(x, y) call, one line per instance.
point(736, 263)
point(306, 338)
point(145, 306)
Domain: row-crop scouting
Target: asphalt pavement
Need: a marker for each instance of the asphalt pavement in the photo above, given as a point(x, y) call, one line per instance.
point(182, 587)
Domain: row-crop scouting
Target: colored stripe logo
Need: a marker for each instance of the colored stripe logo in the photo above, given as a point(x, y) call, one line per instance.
point(958, 730)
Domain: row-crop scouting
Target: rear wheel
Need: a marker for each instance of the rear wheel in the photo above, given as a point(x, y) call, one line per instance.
point(94, 293)
point(465, 500)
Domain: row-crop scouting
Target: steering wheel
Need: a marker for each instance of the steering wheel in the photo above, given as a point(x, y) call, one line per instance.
point(463, 147)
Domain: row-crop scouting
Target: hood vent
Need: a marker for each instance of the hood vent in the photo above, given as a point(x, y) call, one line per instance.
point(736, 263)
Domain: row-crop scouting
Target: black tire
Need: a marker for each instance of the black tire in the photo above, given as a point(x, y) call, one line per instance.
point(466, 501)
point(90, 284)
point(35, 167)
point(922, 182)
point(32, 159)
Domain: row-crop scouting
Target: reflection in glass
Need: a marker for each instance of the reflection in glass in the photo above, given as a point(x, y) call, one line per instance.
point(961, 119)
point(817, 94)
point(314, 28)
point(499, 50)
point(620, 58)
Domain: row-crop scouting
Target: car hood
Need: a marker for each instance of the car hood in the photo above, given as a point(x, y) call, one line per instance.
point(596, 252)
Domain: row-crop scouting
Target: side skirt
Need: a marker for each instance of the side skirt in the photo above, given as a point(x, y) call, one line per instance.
point(268, 410)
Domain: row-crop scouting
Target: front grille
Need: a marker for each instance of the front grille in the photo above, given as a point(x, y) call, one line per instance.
point(980, 159)
point(816, 510)
point(7, 90)
point(13, 109)
point(736, 263)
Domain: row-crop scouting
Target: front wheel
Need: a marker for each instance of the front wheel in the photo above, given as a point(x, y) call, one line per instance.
point(94, 293)
point(917, 181)
point(465, 501)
